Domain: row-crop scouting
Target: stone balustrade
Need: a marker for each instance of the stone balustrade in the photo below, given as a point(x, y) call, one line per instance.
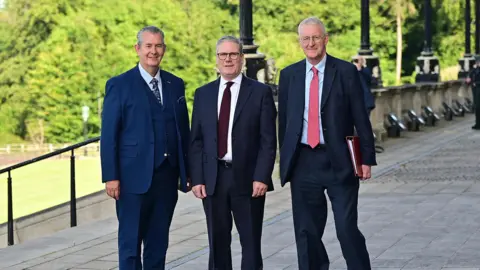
point(414, 97)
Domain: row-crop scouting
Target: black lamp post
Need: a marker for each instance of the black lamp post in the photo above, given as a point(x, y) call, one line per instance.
point(365, 29)
point(428, 66)
point(477, 27)
point(255, 61)
point(466, 63)
point(365, 51)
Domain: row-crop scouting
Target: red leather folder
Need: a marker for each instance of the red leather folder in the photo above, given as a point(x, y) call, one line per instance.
point(353, 143)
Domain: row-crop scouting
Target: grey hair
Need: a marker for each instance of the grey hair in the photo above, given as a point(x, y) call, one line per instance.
point(314, 21)
point(231, 39)
point(151, 29)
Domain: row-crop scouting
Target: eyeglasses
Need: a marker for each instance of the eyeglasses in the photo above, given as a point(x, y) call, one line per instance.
point(316, 39)
point(223, 56)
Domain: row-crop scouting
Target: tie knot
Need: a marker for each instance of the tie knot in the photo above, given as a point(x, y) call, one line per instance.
point(154, 81)
point(315, 70)
point(229, 84)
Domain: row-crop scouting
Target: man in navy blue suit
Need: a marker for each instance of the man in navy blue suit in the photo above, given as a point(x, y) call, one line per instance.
point(232, 154)
point(321, 102)
point(144, 141)
point(366, 83)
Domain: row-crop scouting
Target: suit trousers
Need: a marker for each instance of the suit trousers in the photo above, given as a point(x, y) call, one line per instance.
point(146, 218)
point(248, 216)
point(312, 175)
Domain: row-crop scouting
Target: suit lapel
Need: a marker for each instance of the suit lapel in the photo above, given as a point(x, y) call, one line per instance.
point(212, 106)
point(166, 94)
point(328, 78)
point(298, 97)
point(143, 87)
point(243, 95)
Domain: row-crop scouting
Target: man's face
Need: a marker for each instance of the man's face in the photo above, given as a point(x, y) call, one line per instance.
point(151, 50)
point(360, 62)
point(229, 59)
point(313, 41)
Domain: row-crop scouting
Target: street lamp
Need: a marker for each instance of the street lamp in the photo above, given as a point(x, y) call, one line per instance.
point(371, 61)
point(428, 65)
point(466, 63)
point(85, 114)
point(254, 61)
point(477, 27)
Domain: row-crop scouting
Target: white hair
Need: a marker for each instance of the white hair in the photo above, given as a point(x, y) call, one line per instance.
point(151, 29)
point(313, 21)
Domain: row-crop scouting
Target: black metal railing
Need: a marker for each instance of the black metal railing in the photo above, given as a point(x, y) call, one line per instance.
point(73, 201)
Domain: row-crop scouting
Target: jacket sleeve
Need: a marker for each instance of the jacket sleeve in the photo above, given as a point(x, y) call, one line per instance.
point(360, 117)
point(185, 126)
point(282, 106)
point(268, 138)
point(195, 154)
point(111, 119)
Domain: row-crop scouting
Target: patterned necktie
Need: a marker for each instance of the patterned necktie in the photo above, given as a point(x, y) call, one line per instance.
point(155, 90)
point(223, 121)
point(313, 133)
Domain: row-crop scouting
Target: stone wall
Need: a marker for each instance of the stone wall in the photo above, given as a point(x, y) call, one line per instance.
point(414, 97)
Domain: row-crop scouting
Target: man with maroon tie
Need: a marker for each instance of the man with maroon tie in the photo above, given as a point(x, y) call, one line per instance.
point(320, 102)
point(232, 154)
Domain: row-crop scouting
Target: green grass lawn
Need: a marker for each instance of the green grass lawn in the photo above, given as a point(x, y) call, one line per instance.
point(47, 183)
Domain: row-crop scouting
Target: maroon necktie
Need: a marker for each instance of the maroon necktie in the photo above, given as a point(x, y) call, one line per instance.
point(223, 120)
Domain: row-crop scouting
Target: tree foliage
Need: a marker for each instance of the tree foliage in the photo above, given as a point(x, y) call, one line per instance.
point(56, 55)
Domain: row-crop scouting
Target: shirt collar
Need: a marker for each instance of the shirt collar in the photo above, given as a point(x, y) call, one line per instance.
point(146, 76)
point(320, 66)
point(237, 80)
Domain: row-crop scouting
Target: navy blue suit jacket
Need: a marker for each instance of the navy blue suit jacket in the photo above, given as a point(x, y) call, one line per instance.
point(366, 82)
point(127, 138)
point(342, 109)
point(254, 139)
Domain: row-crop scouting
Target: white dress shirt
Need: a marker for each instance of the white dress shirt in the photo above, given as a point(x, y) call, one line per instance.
point(148, 79)
point(235, 90)
point(308, 80)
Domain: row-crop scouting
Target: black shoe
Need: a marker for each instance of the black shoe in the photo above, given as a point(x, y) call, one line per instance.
point(476, 127)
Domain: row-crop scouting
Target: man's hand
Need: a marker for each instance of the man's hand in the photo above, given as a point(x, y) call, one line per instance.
point(468, 80)
point(199, 191)
point(113, 189)
point(259, 189)
point(367, 172)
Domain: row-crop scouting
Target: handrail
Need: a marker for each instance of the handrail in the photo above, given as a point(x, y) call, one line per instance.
point(73, 199)
point(49, 155)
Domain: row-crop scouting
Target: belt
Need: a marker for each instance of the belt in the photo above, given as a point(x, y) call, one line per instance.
point(225, 164)
point(319, 146)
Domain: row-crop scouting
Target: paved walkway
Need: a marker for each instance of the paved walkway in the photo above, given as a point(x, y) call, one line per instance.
point(421, 211)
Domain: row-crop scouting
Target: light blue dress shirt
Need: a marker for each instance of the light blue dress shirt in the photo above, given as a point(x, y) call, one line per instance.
point(308, 79)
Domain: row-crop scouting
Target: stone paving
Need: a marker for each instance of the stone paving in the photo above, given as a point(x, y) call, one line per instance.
point(420, 211)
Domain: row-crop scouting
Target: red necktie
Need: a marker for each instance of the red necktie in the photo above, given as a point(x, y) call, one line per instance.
point(223, 121)
point(313, 133)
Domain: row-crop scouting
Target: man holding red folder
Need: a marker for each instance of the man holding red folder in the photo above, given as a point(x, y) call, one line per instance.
point(320, 103)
